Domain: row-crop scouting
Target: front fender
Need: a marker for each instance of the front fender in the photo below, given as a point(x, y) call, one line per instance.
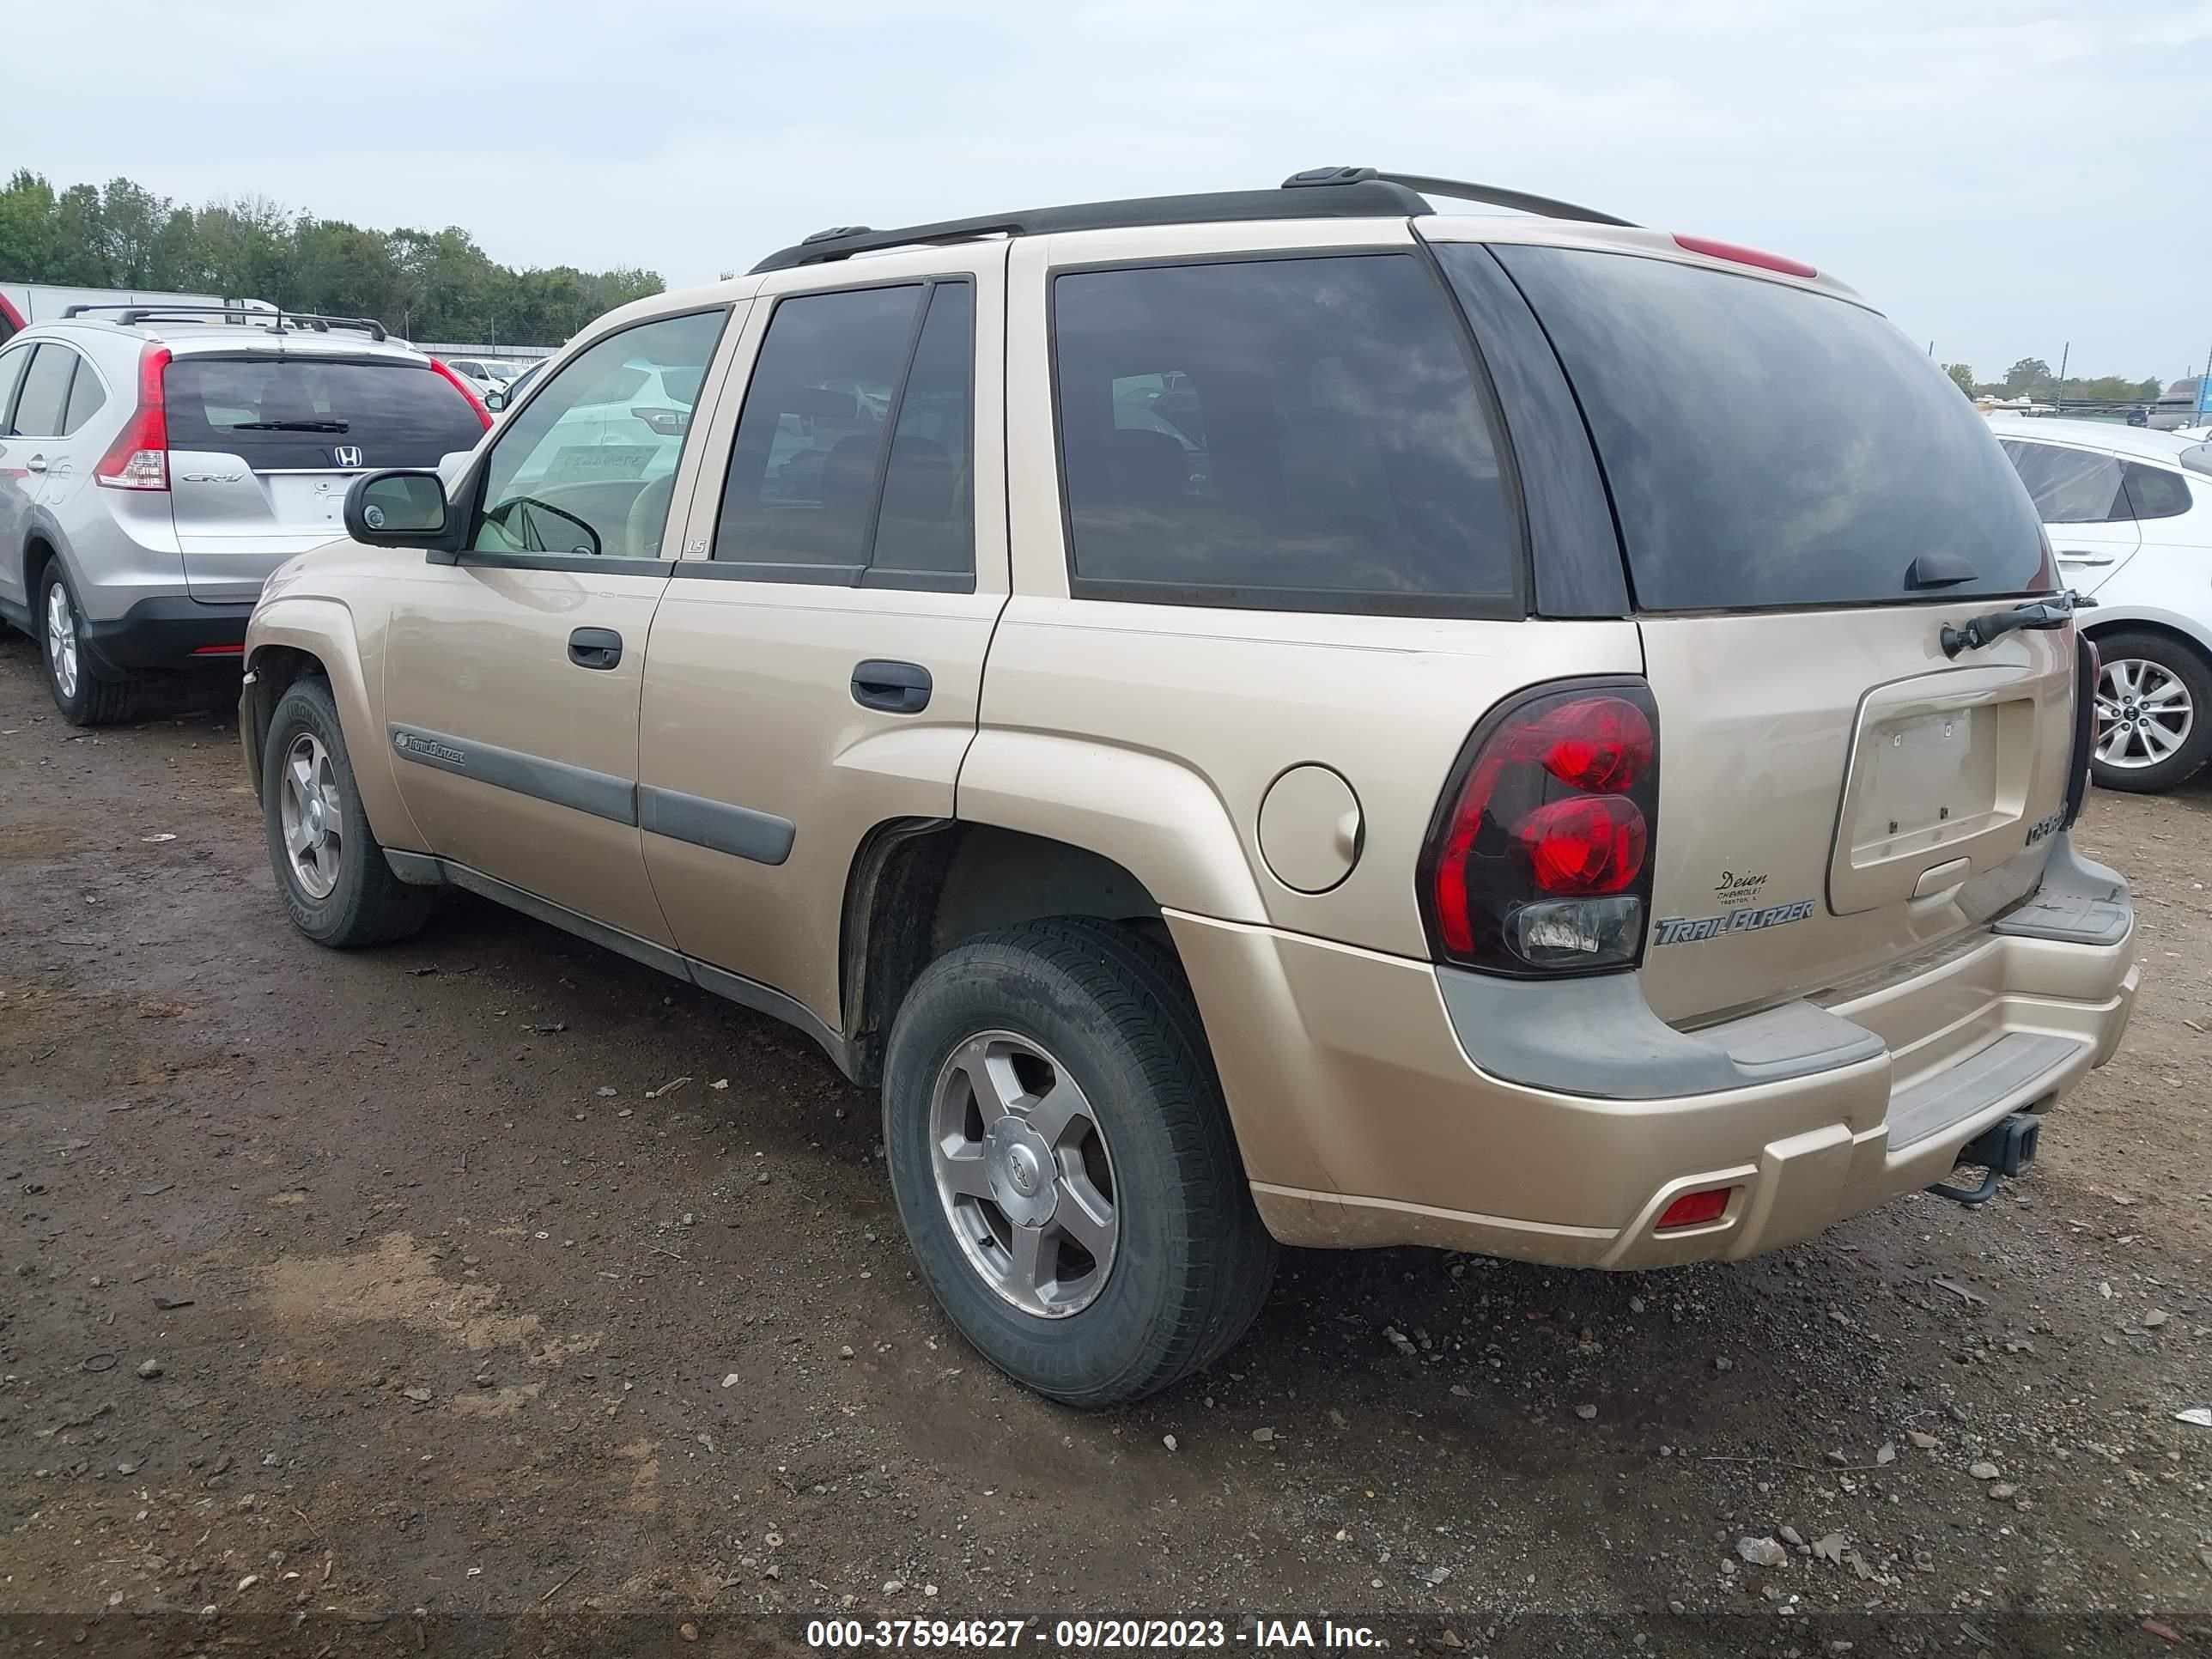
point(324, 630)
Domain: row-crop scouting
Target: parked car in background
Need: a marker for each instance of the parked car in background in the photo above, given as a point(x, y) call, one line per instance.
point(157, 462)
point(482, 373)
point(505, 397)
point(1237, 766)
point(2129, 516)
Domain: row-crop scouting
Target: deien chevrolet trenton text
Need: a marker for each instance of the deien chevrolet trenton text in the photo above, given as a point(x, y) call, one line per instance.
point(1277, 715)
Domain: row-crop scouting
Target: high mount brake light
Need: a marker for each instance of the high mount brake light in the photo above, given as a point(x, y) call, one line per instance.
point(139, 457)
point(1538, 862)
point(1736, 254)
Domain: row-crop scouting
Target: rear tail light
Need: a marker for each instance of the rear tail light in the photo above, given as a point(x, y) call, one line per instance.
point(1743, 256)
point(139, 457)
point(1539, 860)
point(666, 423)
point(2089, 670)
point(460, 384)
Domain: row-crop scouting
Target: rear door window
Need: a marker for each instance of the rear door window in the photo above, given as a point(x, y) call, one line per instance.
point(44, 396)
point(294, 415)
point(86, 395)
point(1292, 434)
point(12, 365)
point(812, 494)
point(2070, 486)
point(1768, 447)
point(2154, 493)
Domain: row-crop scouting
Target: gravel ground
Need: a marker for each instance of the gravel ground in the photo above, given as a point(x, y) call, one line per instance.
point(492, 1292)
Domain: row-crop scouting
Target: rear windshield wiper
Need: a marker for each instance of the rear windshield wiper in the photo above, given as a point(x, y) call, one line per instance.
point(292, 426)
point(2054, 612)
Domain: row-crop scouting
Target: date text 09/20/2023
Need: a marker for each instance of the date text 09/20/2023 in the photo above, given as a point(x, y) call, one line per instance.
point(1090, 1635)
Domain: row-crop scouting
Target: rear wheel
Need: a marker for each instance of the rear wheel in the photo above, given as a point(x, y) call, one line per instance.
point(2154, 703)
point(330, 869)
point(83, 697)
point(1063, 1162)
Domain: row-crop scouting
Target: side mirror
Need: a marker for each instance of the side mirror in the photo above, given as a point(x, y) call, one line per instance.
point(495, 399)
point(397, 509)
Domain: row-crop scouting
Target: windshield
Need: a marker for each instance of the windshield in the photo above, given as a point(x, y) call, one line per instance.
point(1768, 447)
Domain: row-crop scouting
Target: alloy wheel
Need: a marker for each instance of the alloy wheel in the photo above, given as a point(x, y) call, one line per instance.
point(313, 816)
point(2144, 714)
point(61, 640)
point(1023, 1172)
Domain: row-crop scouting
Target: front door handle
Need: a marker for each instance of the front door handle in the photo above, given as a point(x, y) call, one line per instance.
point(897, 688)
point(36, 463)
point(595, 647)
point(2073, 556)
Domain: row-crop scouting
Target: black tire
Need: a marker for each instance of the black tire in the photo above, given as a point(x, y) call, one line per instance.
point(2184, 664)
point(94, 700)
point(367, 903)
point(1194, 1262)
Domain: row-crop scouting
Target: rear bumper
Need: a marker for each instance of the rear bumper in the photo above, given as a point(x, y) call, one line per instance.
point(167, 632)
point(1365, 1116)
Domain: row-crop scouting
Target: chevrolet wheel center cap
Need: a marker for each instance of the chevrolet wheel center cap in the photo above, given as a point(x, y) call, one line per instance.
point(1021, 1166)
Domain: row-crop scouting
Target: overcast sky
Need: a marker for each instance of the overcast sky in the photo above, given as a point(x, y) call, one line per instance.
point(2001, 176)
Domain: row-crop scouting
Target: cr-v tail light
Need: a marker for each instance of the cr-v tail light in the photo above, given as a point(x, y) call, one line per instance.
point(139, 457)
point(1538, 861)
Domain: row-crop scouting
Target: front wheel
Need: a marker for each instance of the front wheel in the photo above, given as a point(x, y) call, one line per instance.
point(1063, 1162)
point(332, 874)
point(2154, 701)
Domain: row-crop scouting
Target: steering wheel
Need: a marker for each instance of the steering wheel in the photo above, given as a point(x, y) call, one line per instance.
point(648, 518)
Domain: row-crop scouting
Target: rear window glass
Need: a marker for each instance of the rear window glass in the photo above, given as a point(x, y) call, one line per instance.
point(1771, 447)
point(278, 415)
point(1298, 434)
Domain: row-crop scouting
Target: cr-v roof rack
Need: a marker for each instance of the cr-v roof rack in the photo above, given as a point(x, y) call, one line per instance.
point(128, 314)
point(1322, 193)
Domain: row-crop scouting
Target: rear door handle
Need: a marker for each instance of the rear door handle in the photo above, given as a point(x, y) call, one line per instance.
point(36, 463)
point(897, 688)
point(595, 647)
point(2073, 556)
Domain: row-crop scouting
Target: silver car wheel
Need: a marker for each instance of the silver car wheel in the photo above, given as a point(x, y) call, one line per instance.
point(2144, 714)
point(314, 815)
point(61, 640)
point(1023, 1172)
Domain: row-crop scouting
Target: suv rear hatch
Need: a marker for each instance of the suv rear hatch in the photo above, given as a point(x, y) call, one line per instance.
point(264, 445)
point(1804, 502)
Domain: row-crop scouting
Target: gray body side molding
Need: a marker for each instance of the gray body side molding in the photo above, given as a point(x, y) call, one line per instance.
point(2080, 902)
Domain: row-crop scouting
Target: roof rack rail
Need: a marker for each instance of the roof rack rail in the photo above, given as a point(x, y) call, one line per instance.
point(1350, 193)
point(1521, 200)
point(130, 314)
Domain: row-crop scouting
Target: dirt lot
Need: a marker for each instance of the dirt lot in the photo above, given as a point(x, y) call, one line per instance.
point(505, 1295)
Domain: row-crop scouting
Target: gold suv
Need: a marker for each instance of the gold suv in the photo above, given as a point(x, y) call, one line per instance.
point(1269, 716)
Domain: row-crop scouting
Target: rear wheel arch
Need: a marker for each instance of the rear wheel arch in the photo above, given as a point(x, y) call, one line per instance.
point(917, 887)
point(2104, 628)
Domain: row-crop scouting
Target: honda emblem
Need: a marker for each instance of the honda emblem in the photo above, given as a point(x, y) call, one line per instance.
point(346, 455)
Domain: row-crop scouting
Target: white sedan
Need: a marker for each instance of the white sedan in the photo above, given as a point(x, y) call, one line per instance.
point(2129, 515)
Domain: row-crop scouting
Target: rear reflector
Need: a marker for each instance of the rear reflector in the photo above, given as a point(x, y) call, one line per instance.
point(219, 650)
point(1695, 1209)
point(1743, 256)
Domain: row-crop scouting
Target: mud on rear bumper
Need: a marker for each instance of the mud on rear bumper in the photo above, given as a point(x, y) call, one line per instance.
point(1378, 1100)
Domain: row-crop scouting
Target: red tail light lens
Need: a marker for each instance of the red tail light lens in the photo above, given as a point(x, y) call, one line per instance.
point(139, 457)
point(1538, 862)
point(460, 384)
point(666, 422)
point(1743, 256)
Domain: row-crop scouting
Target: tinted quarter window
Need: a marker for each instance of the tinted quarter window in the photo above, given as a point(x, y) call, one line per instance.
point(1279, 434)
point(85, 399)
point(1768, 447)
point(2154, 492)
point(927, 519)
point(46, 392)
point(290, 415)
point(801, 487)
point(2070, 486)
point(588, 466)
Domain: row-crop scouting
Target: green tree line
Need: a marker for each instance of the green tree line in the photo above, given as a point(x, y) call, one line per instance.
point(421, 284)
point(2031, 377)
